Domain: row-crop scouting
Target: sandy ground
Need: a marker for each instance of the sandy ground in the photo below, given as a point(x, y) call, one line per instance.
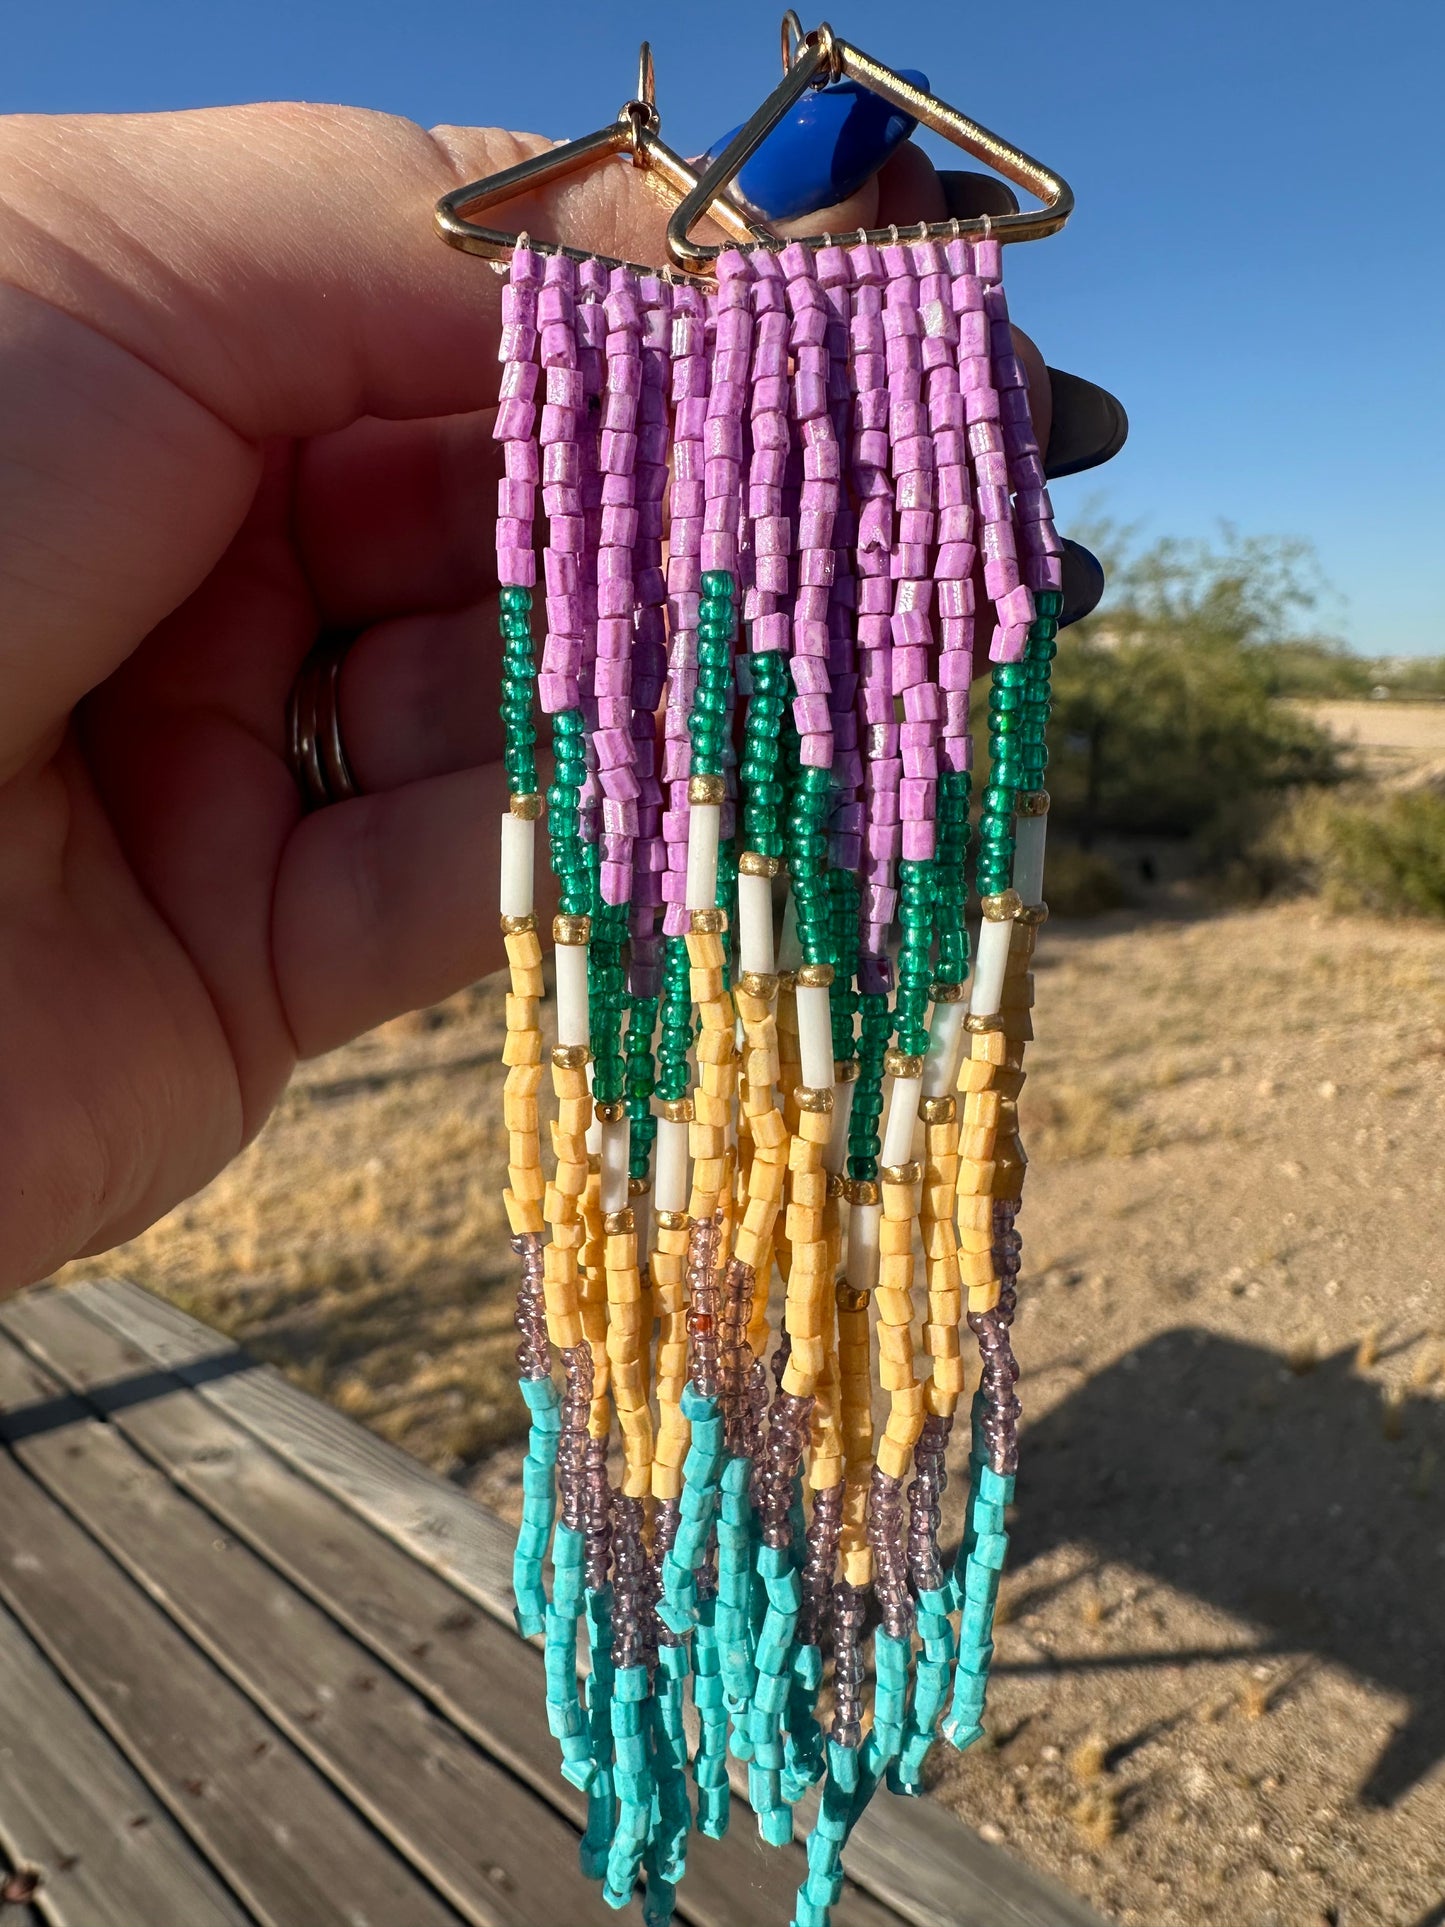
point(1220, 1695)
point(1389, 739)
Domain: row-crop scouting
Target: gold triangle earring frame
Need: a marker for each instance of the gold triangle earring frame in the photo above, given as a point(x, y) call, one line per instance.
point(812, 60)
point(634, 134)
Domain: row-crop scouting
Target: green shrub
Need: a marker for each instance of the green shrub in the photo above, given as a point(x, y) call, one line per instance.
point(1363, 850)
point(1081, 883)
point(1173, 736)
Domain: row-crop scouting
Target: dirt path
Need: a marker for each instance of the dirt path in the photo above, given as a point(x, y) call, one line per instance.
point(1220, 1693)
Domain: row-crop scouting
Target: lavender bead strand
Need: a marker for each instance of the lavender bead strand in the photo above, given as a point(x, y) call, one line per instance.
point(684, 582)
point(533, 1356)
point(991, 1329)
point(817, 506)
point(572, 1444)
point(597, 1515)
point(911, 449)
point(890, 1565)
point(560, 682)
point(516, 423)
point(849, 1608)
point(819, 1562)
point(631, 1582)
point(649, 650)
point(874, 490)
point(703, 1237)
point(925, 1494)
point(845, 816)
point(768, 535)
point(612, 735)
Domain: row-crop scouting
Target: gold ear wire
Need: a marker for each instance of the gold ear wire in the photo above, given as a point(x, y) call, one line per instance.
point(633, 133)
point(812, 60)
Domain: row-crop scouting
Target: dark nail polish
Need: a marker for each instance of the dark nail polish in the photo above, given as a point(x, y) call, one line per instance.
point(1083, 583)
point(1089, 425)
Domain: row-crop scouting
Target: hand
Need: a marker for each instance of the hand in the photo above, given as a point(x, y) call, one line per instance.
point(245, 395)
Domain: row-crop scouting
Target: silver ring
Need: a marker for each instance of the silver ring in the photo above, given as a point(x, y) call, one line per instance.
point(315, 751)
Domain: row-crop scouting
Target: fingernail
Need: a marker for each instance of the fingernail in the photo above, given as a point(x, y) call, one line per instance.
point(824, 149)
point(968, 195)
point(1083, 583)
point(1089, 425)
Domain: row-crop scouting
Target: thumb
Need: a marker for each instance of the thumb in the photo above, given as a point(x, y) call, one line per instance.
point(182, 288)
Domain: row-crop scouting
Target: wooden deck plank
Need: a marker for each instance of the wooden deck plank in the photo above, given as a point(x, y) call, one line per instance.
point(502, 1857)
point(435, 1522)
point(71, 1808)
point(467, 1664)
point(291, 1848)
point(913, 1856)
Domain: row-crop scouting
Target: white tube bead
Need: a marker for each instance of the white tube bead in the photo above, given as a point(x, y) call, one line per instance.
point(990, 963)
point(815, 1037)
point(616, 1150)
point(670, 1191)
point(703, 824)
point(902, 1120)
point(519, 842)
point(945, 1044)
point(572, 1021)
point(755, 924)
point(835, 1154)
point(863, 1222)
point(594, 1128)
point(1028, 875)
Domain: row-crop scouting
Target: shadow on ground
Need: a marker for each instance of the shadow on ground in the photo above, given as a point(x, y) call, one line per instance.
point(1302, 1502)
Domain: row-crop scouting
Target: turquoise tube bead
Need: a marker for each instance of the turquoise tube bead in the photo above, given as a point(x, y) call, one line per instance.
point(710, 1764)
point(601, 1805)
point(538, 1504)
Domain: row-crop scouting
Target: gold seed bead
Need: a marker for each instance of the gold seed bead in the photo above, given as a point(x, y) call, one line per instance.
point(815, 977)
point(807, 1099)
point(899, 1063)
point(975, 1021)
point(864, 1191)
point(518, 926)
point(675, 1110)
point(910, 1173)
point(1032, 803)
point(619, 1224)
point(938, 1110)
point(707, 789)
point(1034, 913)
point(753, 864)
point(850, 1297)
point(570, 1057)
point(527, 804)
point(609, 1111)
point(671, 1220)
point(707, 923)
point(787, 980)
point(758, 983)
point(1002, 908)
point(837, 1185)
point(946, 993)
point(638, 1187)
point(572, 929)
point(845, 1070)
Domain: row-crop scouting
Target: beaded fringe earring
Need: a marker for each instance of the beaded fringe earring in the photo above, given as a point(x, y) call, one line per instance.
point(753, 1143)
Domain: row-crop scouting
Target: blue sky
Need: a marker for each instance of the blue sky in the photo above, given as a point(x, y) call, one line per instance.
point(1255, 265)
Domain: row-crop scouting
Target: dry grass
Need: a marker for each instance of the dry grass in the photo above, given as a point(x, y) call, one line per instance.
point(1089, 1760)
